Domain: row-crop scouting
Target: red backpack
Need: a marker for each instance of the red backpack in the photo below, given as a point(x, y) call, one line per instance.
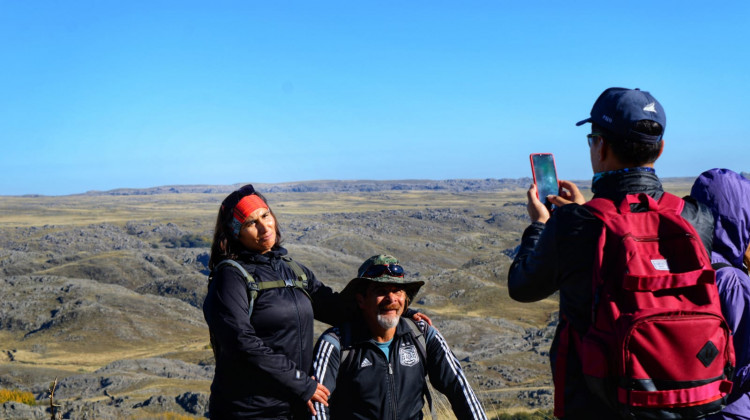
point(658, 345)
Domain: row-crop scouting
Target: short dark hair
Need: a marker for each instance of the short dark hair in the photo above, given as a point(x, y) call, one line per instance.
point(630, 152)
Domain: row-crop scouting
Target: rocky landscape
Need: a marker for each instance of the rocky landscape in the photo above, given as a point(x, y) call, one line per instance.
point(103, 291)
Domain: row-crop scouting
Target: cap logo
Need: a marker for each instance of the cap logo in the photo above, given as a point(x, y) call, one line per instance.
point(650, 107)
point(607, 118)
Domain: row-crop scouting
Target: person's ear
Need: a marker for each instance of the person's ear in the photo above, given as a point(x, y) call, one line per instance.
point(661, 149)
point(602, 151)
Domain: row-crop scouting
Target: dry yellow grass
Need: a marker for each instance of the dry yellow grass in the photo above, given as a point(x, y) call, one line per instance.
point(84, 210)
point(22, 397)
point(60, 356)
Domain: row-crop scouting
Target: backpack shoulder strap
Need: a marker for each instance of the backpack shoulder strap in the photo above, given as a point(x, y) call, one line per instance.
point(419, 330)
point(603, 207)
point(301, 276)
point(419, 333)
point(252, 286)
point(333, 336)
point(234, 264)
point(345, 340)
point(671, 202)
point(600, 206)
point(301, 281)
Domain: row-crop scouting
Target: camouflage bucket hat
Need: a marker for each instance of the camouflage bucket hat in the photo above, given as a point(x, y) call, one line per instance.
point(381, 269)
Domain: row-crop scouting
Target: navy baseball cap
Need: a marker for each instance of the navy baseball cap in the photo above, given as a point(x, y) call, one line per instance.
point(618, 110)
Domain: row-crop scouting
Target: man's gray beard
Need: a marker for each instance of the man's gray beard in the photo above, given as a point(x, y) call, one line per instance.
point(388, 321)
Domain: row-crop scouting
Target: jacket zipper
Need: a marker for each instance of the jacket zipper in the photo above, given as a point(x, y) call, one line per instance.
point(390, 377)
point(299, 324)
point(392, 387)
point(299, 318)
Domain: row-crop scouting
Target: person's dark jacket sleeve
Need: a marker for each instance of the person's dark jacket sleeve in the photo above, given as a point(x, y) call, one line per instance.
point(549, 253)
point(327, 304)
point(447, 377)
point(532, 274)
point(702, 219)
point(226, 310)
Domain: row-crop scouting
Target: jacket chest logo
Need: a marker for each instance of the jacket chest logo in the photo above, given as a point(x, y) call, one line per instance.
point(408, 355)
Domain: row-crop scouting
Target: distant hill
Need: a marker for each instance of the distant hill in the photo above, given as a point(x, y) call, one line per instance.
point(331, 186)
point(450, 185)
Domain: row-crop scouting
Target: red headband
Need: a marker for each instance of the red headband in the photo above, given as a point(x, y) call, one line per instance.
point(246, 206)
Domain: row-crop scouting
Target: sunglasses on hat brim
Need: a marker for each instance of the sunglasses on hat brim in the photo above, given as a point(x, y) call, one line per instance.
point(393, 270)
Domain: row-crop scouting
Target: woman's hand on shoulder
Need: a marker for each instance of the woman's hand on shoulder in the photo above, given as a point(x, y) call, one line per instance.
point(421, 317)
point(320, 396)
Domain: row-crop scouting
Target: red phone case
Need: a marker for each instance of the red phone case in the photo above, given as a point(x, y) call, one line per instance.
point(547, 171)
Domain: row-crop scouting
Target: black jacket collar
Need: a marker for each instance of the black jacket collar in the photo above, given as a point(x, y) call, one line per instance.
point(616, 186)
point(254, 257)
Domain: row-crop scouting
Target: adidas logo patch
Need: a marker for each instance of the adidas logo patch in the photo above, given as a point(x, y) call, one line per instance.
point(650, 107)
point(365, 363)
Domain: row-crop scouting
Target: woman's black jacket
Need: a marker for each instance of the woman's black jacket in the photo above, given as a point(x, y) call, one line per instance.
point(262, 362)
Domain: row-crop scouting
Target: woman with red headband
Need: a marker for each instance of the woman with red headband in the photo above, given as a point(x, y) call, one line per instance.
point(262, 341)
point(261, 354)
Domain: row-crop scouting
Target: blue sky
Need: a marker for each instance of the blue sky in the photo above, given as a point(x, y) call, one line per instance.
point(97, 95)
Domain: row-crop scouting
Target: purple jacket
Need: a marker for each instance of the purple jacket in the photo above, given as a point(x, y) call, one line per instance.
point(727, 194)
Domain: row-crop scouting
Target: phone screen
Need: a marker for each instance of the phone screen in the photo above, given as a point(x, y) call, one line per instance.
point(545, 175)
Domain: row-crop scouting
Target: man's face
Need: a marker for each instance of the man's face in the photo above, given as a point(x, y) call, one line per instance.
point(382, 303)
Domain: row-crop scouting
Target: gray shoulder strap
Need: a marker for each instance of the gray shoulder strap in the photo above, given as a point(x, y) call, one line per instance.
point(301, 276)
point(332, 336)
point(416, 329)
point(419, 334)
point(301, 282)
point(345, 337)
point(252, 285)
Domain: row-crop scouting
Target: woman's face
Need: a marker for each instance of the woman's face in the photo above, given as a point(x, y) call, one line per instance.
point(258, 233)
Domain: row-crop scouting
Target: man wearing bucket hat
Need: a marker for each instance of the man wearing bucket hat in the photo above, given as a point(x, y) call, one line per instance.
point(375, 365)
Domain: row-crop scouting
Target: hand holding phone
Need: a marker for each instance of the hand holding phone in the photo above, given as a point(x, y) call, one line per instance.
point(545, 176)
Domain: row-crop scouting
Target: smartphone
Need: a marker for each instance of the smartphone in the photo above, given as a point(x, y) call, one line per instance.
point(545, 176)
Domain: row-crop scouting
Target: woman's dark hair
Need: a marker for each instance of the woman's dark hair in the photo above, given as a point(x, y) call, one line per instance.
point(225, 246)
point(634, 153)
